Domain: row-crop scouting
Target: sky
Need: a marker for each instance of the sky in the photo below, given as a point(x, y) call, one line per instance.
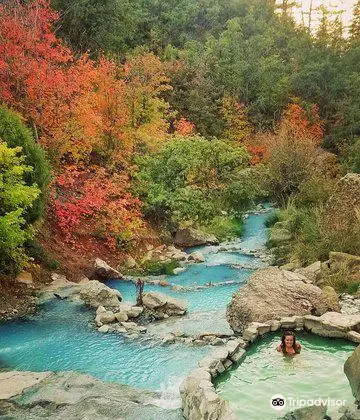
point(343, 6)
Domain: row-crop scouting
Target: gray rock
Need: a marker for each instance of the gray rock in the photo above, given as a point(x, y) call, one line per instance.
point(100, 310)
point(121, 316)
point(350, 413)
point(105, 318)
point(131, 310)
point(312, 271)
point(273, 293)
point(197, 257)
point(15, 383)
point(104, 329)
point(192, 237)
point(161, 303)
point(58, 282)
point(352, 371)
point(332, 324)
point(199, 399)
point(97, 294)
point(73, 395)
point(103, 270)
point(350, 304)
point(313, 412)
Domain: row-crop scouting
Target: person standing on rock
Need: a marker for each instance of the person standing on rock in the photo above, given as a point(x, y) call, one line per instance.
point(288, 344)
point(139, 291)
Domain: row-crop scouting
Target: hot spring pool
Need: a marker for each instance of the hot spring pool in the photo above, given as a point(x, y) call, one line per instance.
point(61, 336)
point(316, 372)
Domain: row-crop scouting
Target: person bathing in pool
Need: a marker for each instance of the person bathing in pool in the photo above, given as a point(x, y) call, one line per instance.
point(288, 344)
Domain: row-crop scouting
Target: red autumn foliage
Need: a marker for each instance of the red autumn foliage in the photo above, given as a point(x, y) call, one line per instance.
point(184, 127)
point(88, 200)
point(301, 124)
point(34, 76)
point(257, 153)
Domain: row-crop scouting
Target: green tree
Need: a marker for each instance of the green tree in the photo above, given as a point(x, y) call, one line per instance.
point(189, 180)
point(14, 132)
point(15, 198)
point(355, 23)
point(111, 26)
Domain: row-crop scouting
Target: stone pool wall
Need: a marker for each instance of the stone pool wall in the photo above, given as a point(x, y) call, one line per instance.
point(198, 396)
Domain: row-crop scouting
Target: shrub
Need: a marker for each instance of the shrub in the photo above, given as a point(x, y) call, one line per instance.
point(224, 227)
point(190, 180)
point(157, 268)
point(272, 218)
point(15, 198)
point(354, 157)
point(341, 280)
point(14, 132)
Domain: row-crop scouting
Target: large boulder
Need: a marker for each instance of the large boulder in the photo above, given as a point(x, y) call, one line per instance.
point(103, 271)
point(352, 371)
point(273, 293)
point(161, 303)
point(96, 294)
point(193, 237)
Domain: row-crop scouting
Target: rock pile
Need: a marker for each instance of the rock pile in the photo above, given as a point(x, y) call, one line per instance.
point(162, 306)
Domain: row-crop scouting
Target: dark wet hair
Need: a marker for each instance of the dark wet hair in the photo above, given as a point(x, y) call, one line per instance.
point(283, 346)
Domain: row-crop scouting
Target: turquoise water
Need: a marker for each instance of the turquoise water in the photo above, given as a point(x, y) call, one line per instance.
point(316, 372)
point(198, 299)
point(61, 335)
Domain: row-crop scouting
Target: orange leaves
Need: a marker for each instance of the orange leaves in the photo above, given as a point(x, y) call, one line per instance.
point(184, 127)
point(100, 116)
point(79, 107)
point(33, 62)
point(301, 124)
point(257, 153)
